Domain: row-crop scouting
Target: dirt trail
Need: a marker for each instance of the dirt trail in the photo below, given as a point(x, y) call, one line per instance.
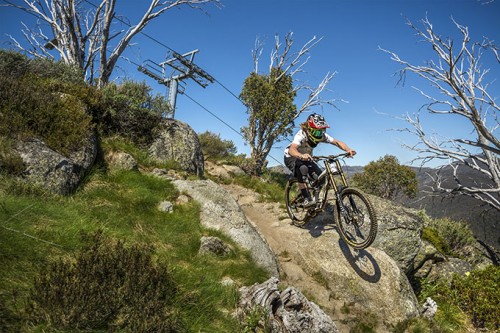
point(275, 226)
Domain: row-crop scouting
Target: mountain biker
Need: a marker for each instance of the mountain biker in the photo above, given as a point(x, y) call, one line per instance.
point(298, 155)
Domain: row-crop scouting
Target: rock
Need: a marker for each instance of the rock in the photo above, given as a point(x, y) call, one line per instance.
point(288, 311)
point(57, 173)
point(370, 280)
point(120, 161)
point(166, 206)
point(178, 142)
point(213, 245)
point(399, 232)
point(446, 269)
point(429, 308)
point(220, 211)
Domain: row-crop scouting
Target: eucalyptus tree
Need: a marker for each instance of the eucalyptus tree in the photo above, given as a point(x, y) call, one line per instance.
point(270, 97)
point(460, 89)
point(83, 34)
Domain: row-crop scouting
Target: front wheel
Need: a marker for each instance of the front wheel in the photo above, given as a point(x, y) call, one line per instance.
point(357, 221)
point(295, 203)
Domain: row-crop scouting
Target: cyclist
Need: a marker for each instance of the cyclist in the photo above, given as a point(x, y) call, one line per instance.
point(298, 155)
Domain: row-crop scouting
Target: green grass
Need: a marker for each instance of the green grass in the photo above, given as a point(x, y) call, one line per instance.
point(36, 230)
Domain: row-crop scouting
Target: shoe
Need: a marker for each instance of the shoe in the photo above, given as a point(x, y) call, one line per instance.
point(308, 203)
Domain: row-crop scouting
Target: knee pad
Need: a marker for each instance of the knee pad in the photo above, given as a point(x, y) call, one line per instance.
point(304, 171)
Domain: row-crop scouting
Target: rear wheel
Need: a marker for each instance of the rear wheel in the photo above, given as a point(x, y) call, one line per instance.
point(295, 203)
point(357, 224)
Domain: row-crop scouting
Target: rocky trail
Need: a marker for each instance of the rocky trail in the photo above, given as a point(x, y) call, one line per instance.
point(273, 224)
point(293, 245)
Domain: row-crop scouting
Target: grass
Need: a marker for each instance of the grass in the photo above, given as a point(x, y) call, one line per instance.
point(35, 231)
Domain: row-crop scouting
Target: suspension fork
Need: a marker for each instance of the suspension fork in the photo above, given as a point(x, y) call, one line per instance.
point(333, 184)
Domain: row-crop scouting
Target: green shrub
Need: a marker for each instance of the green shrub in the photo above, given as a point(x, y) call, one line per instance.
point(215, 148)
point(478, 295)
point(10, 162)
point(388, 179)
point(107, 287)
point(475, 294)
point(447, 235)
point(35, 101)
point(131, 111)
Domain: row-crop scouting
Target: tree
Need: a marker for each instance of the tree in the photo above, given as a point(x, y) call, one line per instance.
point(387, 178)
point(214, 147)
point(83, 36)
point(270, 97)
point(458, 76)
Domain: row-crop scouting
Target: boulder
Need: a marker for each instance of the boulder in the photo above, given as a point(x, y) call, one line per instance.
point(58, 173)
point(213, 245)
point(120, 161)
point(399, 232)
point(220, 211)
point(177, 141)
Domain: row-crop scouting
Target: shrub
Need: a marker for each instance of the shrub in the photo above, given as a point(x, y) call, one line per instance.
point(129, 110)
point(36, 102)
point(10, 162)
point(215, 148)
point(386, 178)
point(476, 294)
point(447, 235)
point(107, 287)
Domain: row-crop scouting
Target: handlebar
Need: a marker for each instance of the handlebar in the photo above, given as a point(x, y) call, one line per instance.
point(330, 157)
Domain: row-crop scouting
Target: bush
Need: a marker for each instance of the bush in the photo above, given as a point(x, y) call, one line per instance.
point(107, 287)
point(10, 162)
point(447, 235)
point(476, 294)
point(36, 103)
point(386, 178)
point(214, 148)
point(129, 110)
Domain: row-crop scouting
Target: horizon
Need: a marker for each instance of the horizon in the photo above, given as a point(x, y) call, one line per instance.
point(352, 32)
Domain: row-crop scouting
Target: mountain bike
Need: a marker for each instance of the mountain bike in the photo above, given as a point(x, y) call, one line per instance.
point(353, 213)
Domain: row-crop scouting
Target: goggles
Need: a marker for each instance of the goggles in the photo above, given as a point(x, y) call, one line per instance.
point(317, 133)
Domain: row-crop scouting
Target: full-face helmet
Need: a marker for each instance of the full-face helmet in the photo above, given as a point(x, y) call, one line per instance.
point(317, 127)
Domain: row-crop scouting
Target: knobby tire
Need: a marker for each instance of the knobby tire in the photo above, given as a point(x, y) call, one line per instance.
point(359, 229)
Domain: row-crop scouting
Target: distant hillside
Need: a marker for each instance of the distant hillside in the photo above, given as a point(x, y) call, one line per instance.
point(484, 221)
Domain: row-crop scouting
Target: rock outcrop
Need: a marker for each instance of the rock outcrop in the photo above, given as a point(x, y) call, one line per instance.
point(220, 211)
point(58, 173)
point(178, 142)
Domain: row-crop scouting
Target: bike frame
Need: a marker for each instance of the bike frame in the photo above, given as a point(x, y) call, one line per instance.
point(331, 182)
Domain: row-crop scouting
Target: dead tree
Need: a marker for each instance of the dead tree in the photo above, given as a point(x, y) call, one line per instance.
point(82, 35)
point(462, 90)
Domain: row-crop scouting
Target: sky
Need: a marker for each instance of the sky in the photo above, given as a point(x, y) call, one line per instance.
point(370, 102)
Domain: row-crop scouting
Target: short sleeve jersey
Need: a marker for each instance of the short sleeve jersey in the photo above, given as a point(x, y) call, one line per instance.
point(304, 147)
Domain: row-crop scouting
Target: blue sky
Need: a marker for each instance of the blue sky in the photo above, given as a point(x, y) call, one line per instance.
point(352, 32)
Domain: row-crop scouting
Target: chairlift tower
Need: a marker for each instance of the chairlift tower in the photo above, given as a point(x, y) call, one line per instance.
point(182, 68)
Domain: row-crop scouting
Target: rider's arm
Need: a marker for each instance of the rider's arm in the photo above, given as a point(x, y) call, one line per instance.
point(344, 147)
point(294, 152)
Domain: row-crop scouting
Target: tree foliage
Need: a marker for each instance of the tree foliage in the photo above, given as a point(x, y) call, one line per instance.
point(387, 178)
point(270, 98)
point(214, 147)
point(271, 112)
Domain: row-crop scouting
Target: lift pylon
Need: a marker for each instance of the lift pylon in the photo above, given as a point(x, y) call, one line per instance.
point(182, 68)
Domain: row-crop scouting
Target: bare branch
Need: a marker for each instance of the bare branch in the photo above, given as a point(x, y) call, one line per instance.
point(460, 80)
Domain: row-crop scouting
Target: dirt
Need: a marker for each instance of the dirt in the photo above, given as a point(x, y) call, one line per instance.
point(272, 221)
